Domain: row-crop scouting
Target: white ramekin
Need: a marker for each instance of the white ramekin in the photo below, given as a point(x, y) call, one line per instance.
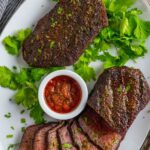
point(79, 108)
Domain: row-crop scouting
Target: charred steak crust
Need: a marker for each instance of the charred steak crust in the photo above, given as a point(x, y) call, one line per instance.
point(28, 137)
point(119, 95)
point(62, 35)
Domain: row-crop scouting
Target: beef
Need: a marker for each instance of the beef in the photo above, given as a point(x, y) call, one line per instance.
point(53, 143)
point(119, 95)
point(62, 35)
point(80, 139)
point(40, 137)
point(52, 138)
point(65, 139)
point(95, 128)
point(28, 137)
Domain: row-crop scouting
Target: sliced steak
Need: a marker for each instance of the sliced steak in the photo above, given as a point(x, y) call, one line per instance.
point(98, 132)
point(28, 137)
point(80, 138)
point(62, 35)
point(119, 95)
point(40, 137)
point(52, 138)
point(65, 139)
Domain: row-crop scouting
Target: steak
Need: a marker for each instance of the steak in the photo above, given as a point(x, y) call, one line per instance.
point(80, 139)
point(61, 36)
point(28, 137)
point(52, 138)
point(40, 137)
point(65, 139)
point(95, 128)
point(119, 95)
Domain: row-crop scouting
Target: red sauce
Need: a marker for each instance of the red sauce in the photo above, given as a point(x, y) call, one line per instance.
point(63, 94)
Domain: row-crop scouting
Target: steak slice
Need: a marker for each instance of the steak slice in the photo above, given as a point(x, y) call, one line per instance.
point(40, 137)
point(62, 35)
point(28, 137)
point(119, 95)
point(98, 132)
point(52, 138)
point(80, 138)
point(65, 138)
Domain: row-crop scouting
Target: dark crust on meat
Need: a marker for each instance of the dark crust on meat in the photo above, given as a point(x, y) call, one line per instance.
point(28, 137)
point(119, 95)
point(60, 39)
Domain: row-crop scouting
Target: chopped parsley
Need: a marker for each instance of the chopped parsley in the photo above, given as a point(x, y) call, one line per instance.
point(22, 111)
point(60, 10)
point(128, 87)
point(12, 127)
point(23, 120)
point(8, 115)
point(23, 129)
point(11, 146)
point(9, 136)
point(52, 44)
point(67, 145)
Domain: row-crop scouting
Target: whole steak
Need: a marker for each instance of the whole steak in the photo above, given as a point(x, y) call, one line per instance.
point(60, 37)
point(119, 95)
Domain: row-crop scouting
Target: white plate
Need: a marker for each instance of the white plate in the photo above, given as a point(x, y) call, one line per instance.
point(27, 15)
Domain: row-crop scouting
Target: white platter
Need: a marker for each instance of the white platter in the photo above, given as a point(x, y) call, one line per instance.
point(27, 15)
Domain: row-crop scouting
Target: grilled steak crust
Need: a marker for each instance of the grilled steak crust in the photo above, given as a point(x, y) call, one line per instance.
point(52, 139)
point(65, 138)
point(28, 137)
point(40, 137)
point(96, 129)
point(80, 138)
point(119, 95)
point(62, 35)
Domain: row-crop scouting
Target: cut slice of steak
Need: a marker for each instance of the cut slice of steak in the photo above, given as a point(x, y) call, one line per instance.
point(65, 139)
point(119, 95)
point(80, 138)
point(28, 137)
point(40, 137)
point(52, 138)
point(98, 132)
point(62, 35)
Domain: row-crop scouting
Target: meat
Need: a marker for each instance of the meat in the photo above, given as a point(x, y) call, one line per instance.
point(52, 138)
point(62, 35)
point(119, 95)
point(80, 139)
point(95, 128)
point(40, 137)
point(28, 137)
point(65, 139)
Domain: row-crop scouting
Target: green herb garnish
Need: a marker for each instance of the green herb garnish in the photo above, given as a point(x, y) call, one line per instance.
point(13, 43)
point(23, 120)
point(9, 136)
point(8, 115)
point(67, 145)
